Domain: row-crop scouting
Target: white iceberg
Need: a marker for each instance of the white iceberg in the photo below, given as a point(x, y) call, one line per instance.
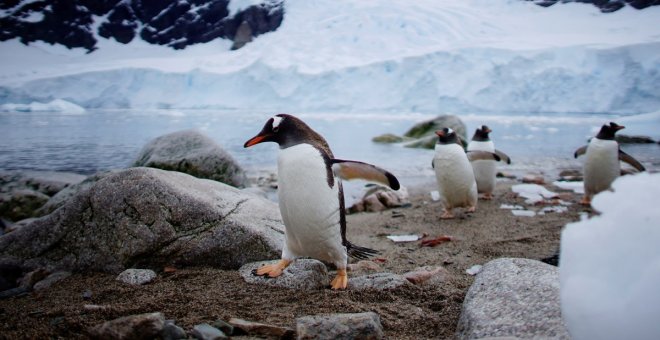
point(57, 105)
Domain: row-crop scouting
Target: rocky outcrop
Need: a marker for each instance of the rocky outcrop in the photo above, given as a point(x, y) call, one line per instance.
point(142, 326)
point(379, 198)
point(149, 218)
point(422, 135)
point(513, 298)
point(606, 6)
point(192, 153)
point(173, 23)
point(24, 193)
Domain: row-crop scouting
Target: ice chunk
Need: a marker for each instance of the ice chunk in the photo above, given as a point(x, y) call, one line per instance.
point(577, 187)
point(533, 193)
point(474, 270)
point(526, 213)
point(511, 206)
point(435, 195)
point(403, 238)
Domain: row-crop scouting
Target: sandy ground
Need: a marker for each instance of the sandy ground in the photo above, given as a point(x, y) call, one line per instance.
point(197, 295)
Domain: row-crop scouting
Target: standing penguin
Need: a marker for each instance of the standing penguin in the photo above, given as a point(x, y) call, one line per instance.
point(456, 183)
point(485, 170)
point(311, 197)
point(602, 166)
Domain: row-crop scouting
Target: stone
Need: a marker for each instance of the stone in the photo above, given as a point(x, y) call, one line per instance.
point(303, 274)
point(340, 326)
point(21, 203)
point(193, 153)
point(379, 198)
point(388, 138)
point(207, 332)
point(634, 139)
point(424, 132)
point(243, 36)
point(46, 182)
point(515, 298)
point(141, 326)
point(570, 175)
point(172, 332)
point(378, 281)
point(65, 194)
point(149, 218)
point(136, 277)
point(533, 179)
point(427, 276)
point(30, 279)
point(225, 327)
point(261, 329)
point(51, 279)
point(364, 266)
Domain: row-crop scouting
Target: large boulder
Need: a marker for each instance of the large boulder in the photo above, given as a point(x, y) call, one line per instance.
point(513, 297)
point(192, 153)
point(60, 198)
point(149, 218)
point(429, 127)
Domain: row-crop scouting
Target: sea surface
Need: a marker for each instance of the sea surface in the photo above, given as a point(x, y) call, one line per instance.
point(111, 139)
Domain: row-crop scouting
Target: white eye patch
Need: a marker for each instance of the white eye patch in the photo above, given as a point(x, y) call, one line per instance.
point(276, 122)
point(449, 131)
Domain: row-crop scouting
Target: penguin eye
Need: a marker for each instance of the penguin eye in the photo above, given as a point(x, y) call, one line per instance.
point(276, 128)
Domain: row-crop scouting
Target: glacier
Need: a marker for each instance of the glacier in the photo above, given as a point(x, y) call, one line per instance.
point(383, 55)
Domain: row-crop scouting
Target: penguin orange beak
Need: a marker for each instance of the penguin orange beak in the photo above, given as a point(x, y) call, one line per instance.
point(440, 133)
point(256, 140)
point(620, 127)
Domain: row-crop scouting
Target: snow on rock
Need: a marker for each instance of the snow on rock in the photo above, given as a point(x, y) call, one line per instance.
point(533, 193)
point(57, 105)
point(610, 264)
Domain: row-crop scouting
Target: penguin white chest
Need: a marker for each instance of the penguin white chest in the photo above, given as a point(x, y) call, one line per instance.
point(484, 170)
point(601, 166)
point(308, 204)
point(454, 175)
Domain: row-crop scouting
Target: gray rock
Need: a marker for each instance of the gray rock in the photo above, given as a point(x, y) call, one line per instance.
point(207, 332)
point(143, 217)
point(243, 36)
point(378, 281)
point(193, 153)
point(136, 276)
point(141, 326)
point(513, 298)
point(424, 132)
point(303, 274)
point(65, 194)
point(46, 182)
point(340, 326)
point(262, 329)
point(225, 327)
point(427, 276)
point(172, 332)
point(21, 203)
point(50, 280)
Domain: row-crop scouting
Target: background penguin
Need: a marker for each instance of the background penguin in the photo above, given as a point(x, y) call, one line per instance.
point(602, 166)
point(485, 170)
point(311, 198)
point(456, 183)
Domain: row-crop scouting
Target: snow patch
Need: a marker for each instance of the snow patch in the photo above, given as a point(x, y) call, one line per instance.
point(577, 187)
point(610, 264)
point(533, 193)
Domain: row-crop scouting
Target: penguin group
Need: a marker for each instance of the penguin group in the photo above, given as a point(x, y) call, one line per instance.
point(311, 198)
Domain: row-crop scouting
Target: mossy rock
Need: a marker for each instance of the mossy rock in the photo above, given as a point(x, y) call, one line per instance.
point(429, 127)
point(388, 138)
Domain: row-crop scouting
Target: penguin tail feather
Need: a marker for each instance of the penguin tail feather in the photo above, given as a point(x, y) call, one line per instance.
point(360, 253)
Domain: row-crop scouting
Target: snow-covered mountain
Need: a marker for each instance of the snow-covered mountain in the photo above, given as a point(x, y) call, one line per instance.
point(174, 23)
point(354, 55)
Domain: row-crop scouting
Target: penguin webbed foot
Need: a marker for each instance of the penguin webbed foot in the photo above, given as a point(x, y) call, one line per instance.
point(487, 197)
point(272, 270)
point(586, 201)
point(447, 215)
point(340, 281)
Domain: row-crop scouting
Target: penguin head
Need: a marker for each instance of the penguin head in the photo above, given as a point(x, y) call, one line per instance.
point(446, 136)
point(481, 134)
point(285, 130)
point(607, 131)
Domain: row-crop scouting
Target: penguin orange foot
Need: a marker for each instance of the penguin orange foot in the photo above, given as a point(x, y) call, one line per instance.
point(487, 197)
point(447, 215)
point(340, 281)
point(273, 270)
point(472, 209)
point(586, 200)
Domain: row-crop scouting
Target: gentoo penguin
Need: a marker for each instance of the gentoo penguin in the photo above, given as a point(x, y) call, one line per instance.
point(456, 183)
point(601, 166)
point(485, 170)
point(311, 198)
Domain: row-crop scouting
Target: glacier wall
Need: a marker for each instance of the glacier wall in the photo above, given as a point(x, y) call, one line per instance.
point(570, 79)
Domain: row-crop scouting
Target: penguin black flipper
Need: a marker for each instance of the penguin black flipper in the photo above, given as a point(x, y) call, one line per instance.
point(482, 155)
point(580, 151)
point(503, 156)
point(630, 160)
point(356, 252)
point(353, 170)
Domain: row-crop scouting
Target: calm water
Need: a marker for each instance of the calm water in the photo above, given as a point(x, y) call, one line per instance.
point(100, 140)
